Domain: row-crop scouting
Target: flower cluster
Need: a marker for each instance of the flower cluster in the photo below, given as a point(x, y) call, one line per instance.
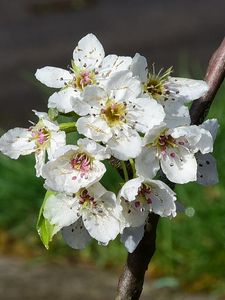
point(124, 119)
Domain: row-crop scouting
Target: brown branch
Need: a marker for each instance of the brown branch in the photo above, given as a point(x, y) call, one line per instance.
point(131, 280)
point(214, 77)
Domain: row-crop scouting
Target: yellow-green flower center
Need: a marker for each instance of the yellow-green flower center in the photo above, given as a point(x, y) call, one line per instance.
point(154, 86)
point(113, 113)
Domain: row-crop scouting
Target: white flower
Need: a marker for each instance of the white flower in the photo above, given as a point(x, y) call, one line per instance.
point(91, 212)
point(139, 196)
point(75, 167)
point(115, 115)
point(207, 170)
point(89, 67)
point(39, 138)
point(174, 150)
point(171, 92)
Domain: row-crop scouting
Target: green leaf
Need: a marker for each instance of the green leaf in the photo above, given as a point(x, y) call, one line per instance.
point(111, 180)
point(44, 228)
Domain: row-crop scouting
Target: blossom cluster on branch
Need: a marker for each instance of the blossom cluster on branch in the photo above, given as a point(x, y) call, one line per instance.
point(127, 119)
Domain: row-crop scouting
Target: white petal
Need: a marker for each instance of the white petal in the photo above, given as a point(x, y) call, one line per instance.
point(133, 216)
point(191, 133)
point(40, 161)
point(139, 67)
point(57, 140)
point(207, 170)
point(163, 199)
point(94, 96)
point(180, 169)
point(62, 100)
point(146, 114)
point(153, 133)
point(94, 128)
point(212, 126)
point(205, 144)
point(129, 190)
point(177, 114)
point(113, 63)
point(147, 163)
point(189, 89)
point(16, 142)
point(123, 86)
point(104, 225)
point(76, 235)
point(131, 237)
point(96, 150)
point(89, 51)
point(61, 210)
point(53, 77)
point(125, 144)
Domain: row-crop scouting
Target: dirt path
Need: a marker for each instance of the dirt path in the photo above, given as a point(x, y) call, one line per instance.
point(20, 280)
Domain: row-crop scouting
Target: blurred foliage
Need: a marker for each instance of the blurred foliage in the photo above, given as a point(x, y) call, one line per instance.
point(190, 247)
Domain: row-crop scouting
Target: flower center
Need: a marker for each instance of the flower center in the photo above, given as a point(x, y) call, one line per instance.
point(81, 162)
point(154, 85)
point(143, 196)
point(40, 135)
point(85, 199)
point(164, 141)
point(84, 78)
point(113, 113)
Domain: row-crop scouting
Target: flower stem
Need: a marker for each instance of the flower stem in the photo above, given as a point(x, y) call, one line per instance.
point(133, 167)
point(68, 126)
point(126, 177)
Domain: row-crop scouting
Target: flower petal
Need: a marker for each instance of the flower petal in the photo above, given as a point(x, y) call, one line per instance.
point(163, 199)
point(113, 63)
point(16, 142)
point(62, 100)
point(139, 67)
point(188, 89)
point(212, 126)
point(125, 144)
point(96, 150)
point(104, 224)
point(76, 235)
point(53, 77)
point(123, 86)
point(89, 52)
point(94, 128)
point(145, 113)
point(129, 190)
point(180, 169)
point(207, 170)
point(131, 237)
point(147, 163)
point(61, 210)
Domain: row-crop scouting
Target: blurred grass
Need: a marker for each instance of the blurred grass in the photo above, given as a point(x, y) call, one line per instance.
point(189, 248)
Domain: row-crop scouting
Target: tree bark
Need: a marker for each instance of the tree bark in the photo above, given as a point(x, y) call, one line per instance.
point(132, 279)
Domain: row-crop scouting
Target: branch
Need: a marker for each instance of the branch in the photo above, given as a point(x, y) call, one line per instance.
point(131, 280)
point(214, 77)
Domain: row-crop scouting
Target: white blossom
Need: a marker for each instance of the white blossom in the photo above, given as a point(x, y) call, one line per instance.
point(139, 196)
point(39, 138)
point(89, 67)
point(174, 150)
point(171, 92)
point(115, 115)
point(75, 167)
point(91, 212)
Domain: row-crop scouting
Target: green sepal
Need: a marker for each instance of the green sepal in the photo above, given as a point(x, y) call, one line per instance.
point(53, 113)
point(44, 228)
